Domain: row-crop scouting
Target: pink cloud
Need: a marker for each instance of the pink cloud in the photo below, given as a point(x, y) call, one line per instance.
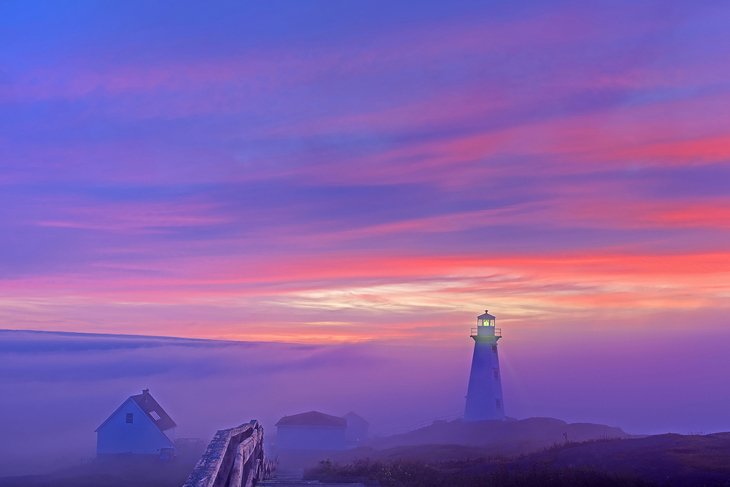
point(131, 217)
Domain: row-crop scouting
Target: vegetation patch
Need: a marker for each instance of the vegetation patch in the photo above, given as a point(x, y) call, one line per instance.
point(464, 474)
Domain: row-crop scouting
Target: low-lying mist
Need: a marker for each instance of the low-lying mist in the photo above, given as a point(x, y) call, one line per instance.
point(57, 388)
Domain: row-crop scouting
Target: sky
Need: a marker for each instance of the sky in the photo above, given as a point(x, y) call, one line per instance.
point(379, 173)
point(317, 171)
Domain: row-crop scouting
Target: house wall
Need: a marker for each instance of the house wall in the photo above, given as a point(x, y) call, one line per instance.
point(357, 430)
point(310, 438)
point(139, 437)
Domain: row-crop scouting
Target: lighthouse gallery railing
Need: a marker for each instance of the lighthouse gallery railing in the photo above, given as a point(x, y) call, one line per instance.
point(475, 331)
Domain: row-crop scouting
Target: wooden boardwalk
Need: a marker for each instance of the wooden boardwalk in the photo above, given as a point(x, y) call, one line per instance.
point(235, 458)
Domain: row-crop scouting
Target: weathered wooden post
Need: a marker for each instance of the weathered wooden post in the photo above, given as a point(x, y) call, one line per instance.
point(234, 458)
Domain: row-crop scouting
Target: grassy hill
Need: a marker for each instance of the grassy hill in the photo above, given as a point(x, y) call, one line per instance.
point(664, 459)
point(455, 440)
point(661, 460)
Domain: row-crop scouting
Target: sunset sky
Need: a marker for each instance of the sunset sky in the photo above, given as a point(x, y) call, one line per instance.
point(367, 170)
point(334, 190)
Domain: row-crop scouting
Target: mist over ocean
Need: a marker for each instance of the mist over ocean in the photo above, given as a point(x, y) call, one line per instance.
point(58, 387)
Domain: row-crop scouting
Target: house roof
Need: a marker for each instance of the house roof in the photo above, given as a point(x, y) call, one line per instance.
point(151, 408)
point(486, 316)
point(353, 417)
point(313, 418)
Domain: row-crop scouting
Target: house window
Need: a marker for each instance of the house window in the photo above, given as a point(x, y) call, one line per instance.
point(154, 415)
point(130, 417)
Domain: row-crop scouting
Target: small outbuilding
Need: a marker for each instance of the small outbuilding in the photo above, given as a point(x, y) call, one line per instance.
point(311, 431)
point(357, 429)
point(139, 426)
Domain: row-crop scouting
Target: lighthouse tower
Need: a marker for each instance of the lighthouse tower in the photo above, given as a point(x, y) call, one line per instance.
point(484, 396)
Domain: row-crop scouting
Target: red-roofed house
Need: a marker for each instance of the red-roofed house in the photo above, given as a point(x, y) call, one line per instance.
point(311, 431)
point(138, 426)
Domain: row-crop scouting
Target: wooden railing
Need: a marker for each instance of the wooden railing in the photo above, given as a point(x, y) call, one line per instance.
point(234, 458)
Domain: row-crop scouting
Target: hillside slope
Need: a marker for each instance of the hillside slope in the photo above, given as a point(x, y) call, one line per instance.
point(504, 438)
point(670, 458)
point(664, 460)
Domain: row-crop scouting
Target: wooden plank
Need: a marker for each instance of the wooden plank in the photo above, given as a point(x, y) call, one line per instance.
point(233, 458)
point(214, 467)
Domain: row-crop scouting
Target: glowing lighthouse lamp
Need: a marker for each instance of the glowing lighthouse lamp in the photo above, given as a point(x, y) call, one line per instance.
point(484, 396)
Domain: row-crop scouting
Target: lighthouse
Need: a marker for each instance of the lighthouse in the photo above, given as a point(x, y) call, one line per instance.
point(484, 395)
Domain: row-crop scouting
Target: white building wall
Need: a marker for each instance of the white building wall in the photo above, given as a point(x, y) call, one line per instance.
point(484, 394)
point(139, 437)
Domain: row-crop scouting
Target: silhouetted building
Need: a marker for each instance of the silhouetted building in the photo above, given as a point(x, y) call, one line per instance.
point(311, 431)
point(138, 426)
point(357, 429)
point(484, 395)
